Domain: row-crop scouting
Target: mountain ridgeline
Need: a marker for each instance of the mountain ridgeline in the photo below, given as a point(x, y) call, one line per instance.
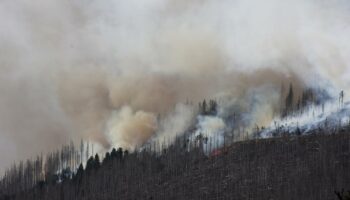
point(232, 164)
point(290, 167)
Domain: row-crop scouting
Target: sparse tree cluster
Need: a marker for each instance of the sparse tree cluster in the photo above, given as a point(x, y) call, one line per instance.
point(50, 169)
point(306, 167)
point(194, 167)
point(209, 108)
point(294, 104)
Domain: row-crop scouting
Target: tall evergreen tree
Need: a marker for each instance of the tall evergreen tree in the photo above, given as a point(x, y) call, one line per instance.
point(90, 164)
point(289, 99)
point(97, 162)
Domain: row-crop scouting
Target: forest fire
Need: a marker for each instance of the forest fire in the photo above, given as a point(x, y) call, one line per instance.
point(168, 81)
point(218, 152)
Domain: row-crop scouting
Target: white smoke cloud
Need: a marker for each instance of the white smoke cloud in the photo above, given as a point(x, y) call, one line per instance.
point(209, 125)
point(212, 128)
point(130, 129)
point(91, 69)
point(176, 122)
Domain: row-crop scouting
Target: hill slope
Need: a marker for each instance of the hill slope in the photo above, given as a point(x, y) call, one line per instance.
point(303, 167)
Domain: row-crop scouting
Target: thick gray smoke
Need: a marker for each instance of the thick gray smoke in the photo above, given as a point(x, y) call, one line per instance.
point(122, 72)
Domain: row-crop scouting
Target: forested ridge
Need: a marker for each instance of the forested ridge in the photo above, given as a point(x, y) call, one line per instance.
point(288, 167)
point(233, 165)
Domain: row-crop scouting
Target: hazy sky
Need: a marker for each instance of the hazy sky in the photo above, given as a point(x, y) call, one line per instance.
point(103, 70)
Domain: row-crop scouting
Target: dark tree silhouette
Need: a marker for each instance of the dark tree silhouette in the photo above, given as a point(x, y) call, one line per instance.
point(289, 99)
point(96, 162)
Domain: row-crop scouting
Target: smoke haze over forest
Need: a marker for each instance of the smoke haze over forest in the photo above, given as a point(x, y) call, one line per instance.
point(120, 73)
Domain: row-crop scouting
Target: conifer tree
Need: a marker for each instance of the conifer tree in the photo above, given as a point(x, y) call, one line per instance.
point(96, 162)
point(289, 99)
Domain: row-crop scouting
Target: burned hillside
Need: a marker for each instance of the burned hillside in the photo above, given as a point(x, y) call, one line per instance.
point(288, 167)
